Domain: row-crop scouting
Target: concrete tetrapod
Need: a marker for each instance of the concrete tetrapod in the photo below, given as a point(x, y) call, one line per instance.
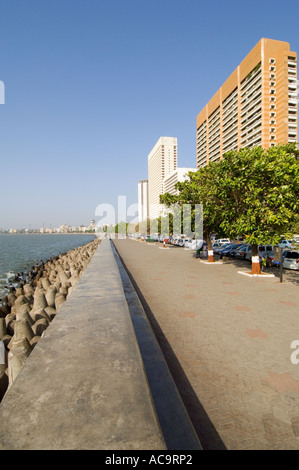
point(50, 296)
point(3, 330)
point(23, 330)
point(17, 357)
point(24, 316)
point(3, 384)
point(40, 326)
point(39, 300)
point(10, 321)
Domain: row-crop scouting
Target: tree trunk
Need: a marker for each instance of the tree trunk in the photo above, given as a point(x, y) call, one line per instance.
point(255, 260)
point(210, 250)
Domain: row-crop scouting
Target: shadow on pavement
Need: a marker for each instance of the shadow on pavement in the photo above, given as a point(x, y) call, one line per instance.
point(289, 275)
point(207, 434)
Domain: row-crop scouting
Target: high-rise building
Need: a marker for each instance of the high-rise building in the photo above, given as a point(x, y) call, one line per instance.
point(162, 160)
point(256, 105)
point(178, 175)
point(142, 200)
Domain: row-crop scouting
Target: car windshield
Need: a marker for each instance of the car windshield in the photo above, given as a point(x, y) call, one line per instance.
point(292, 254)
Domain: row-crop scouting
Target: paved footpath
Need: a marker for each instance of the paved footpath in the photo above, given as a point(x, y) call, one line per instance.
point(227, 340)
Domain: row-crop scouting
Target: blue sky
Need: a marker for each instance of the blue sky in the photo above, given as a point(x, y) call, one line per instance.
point(91, 85)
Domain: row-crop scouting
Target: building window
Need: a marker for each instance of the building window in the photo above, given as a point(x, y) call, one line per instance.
point(271, 60)
point(272, 68)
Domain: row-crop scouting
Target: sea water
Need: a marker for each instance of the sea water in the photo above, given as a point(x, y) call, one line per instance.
point(19, 252)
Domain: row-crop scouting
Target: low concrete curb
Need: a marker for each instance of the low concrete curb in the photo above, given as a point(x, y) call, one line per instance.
point(175, 423)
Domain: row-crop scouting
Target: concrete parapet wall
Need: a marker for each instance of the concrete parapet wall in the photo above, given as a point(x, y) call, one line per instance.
point(84, 386)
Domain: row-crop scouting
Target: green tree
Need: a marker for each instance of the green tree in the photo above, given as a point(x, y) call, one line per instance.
point(200, 188)
point(259, 190)
point(252, 192)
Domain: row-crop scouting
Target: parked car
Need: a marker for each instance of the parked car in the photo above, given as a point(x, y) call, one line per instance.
point(270, 261)
point(232, 252)
point(291, 260)
point(226, 249)
point(196, 244)
point(222, 241)
point(187, 242)
point(243, 252)
point(285, 243)
point(263, 251)
point(216, 247)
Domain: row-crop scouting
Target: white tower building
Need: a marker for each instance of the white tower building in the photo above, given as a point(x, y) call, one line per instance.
point(162, 160)
point(142, 200)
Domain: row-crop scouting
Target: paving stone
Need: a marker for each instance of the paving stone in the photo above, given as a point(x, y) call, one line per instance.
point(227, 340)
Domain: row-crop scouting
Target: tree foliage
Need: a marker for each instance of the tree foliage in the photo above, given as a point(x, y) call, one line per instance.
point(260, 190)
point(252, 192)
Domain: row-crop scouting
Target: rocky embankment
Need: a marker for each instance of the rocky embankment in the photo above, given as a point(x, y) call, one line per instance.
point(27, 311)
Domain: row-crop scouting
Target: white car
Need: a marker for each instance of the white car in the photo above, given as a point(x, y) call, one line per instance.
point(196, 244)
point(291, 260)
point(263, 251)
point(286, 243)
point(187, 242)
point(222, 241)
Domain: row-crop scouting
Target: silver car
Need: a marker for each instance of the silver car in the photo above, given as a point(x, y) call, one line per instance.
point(291, 260)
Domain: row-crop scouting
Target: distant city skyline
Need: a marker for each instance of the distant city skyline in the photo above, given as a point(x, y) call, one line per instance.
point(90, 86)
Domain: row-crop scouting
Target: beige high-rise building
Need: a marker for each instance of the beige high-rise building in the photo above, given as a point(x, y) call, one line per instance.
point(178, 175)
point(162, 161)
point(256, 105)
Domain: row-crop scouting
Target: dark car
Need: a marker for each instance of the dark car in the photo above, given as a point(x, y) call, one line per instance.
point(232, 253)
point(224, 251)
point(218, 246)
point(241, 253)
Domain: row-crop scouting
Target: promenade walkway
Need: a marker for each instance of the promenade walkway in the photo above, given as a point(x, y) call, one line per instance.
point(226, 338)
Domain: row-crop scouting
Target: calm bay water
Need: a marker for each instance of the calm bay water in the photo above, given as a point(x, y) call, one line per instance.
point(19, 252)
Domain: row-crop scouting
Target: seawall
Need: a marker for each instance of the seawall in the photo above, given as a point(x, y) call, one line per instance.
point(87, 384)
